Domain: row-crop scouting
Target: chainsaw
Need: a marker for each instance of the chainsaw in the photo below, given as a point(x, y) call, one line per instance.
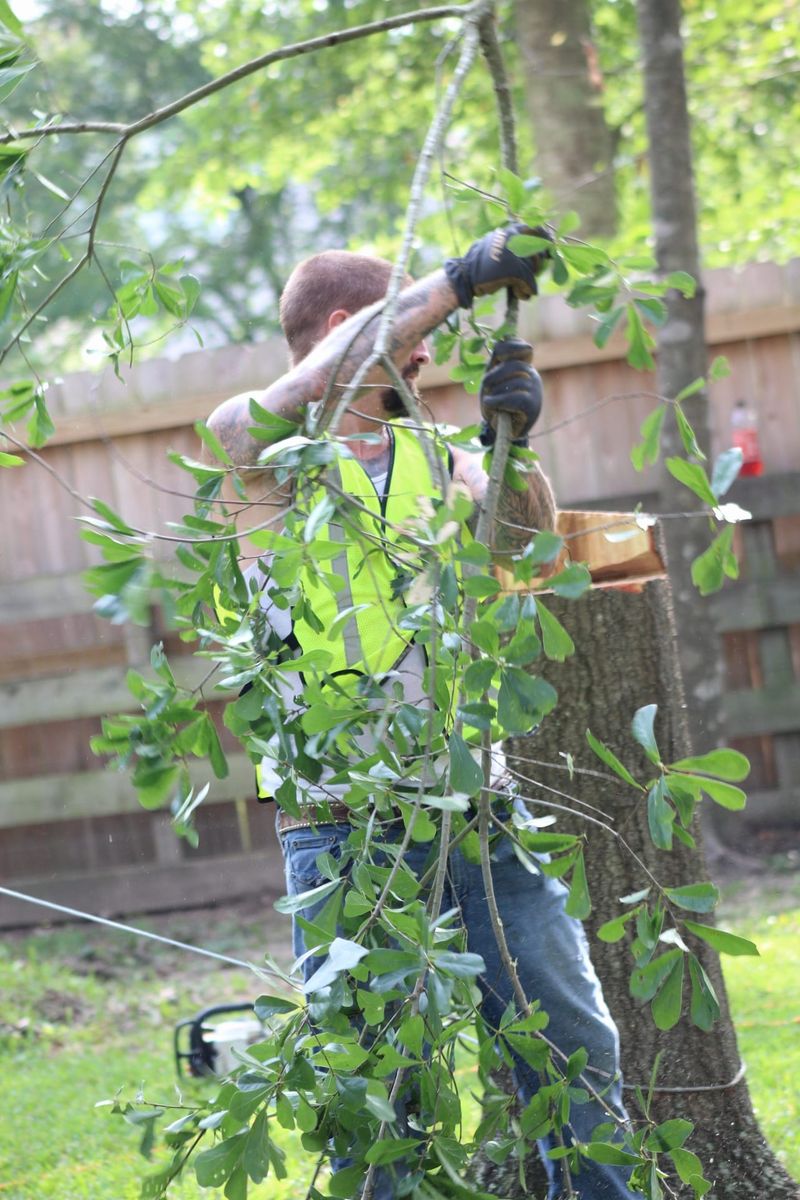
point(206, 1045)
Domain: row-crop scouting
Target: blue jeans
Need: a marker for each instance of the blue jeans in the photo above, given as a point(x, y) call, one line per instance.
point(553, 964)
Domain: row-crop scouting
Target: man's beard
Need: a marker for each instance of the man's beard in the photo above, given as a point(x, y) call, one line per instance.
point(392, 401)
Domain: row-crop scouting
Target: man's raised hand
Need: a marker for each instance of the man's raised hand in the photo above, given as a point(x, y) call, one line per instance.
point(489, 265)
point(512, 386)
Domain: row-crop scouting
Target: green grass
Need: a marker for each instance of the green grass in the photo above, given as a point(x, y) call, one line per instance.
point(87, 1012)
point(764, 995)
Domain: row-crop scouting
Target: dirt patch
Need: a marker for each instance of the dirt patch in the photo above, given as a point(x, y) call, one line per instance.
point(61, 1008)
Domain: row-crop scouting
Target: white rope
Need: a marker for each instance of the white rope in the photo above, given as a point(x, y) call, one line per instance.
point(145, 933)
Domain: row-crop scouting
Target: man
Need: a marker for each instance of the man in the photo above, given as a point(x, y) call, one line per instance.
point(329, 314)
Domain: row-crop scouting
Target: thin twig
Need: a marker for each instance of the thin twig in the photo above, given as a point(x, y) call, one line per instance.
point(427, 155)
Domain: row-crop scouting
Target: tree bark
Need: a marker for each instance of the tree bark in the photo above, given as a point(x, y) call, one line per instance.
point(574, 145)
point(626, 657)
point(681, 351)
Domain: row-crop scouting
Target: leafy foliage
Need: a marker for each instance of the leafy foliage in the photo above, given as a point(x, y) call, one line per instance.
point(395, 987)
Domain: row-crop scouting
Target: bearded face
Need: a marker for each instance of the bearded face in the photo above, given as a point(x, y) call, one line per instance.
point(392, 401)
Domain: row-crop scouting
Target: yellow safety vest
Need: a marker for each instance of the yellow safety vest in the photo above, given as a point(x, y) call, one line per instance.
point(371, 559)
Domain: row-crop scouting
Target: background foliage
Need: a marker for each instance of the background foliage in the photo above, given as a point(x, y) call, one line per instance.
point(295, 158)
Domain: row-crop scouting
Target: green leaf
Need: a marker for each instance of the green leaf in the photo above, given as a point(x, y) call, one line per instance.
point(545, 547)
point(654, 309)
point(726, 470)
point(523, 700)
point(696, 897)
point(607, 326)
point(690, 443)
point(690, 1170)
point(557, 643)
point(650, 432)
point(11, 78)
point(579, 903)
point(270, 1006)
point(346, 1183)
point(640, 341)
point(514, 189)
point(319, 516)
point(212, 442)
point(466, 775)
point(481, 586)
point(293, 904)
point(720, 368)
point(154, 785)
point(212, 1167)
point(568, 223)
point(11, 460)
point(704, 1010)
point(666, 1006)
point(269, 426)
point(614, 930)
point(683, 282)
point(692, 476)
point(669, 1134)
point(40, 427)
point(10, 21)
point(343, 955)
point(461, 964)
point(572, 582)
point(722, 941)
point(610, 759)
point(478, 675)
point(256, 1158)
point(645, 981)
point(642, 730)
point(110, 516)
point(390, 1150)
point(604, 1152)
point(526, 244)
point(710, 568)
point(660, 816)
point(691, 389)
point(724, 794)
point(378, 1104)
point(723, 763)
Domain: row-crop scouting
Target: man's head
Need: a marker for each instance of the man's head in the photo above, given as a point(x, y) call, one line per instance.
point(327, 288)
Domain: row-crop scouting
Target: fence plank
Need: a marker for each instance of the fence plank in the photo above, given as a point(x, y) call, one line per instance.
point(85, 694)
point(66, 796)
point(770, 710)
point(757, 605)
point(148, 889)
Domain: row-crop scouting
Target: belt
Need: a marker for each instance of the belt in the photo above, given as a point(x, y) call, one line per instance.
point(335, 813)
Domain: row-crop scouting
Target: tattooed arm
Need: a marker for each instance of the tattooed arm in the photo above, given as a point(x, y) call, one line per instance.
point(519, 514)
point(421, 307)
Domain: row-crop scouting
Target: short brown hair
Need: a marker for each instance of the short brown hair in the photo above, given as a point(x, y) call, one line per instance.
point(321, 284)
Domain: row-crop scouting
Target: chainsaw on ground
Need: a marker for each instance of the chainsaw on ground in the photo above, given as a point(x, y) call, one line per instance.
point(212, 1042)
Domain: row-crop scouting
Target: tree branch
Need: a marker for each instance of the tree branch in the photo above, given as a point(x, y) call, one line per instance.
point(162, 114)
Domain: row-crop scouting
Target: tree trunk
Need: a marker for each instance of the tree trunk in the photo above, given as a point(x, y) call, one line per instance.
point(574, 146)
point(626, 657)
point(681, 351)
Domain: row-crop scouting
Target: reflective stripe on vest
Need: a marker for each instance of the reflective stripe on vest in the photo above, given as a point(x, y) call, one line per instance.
point(368, 568)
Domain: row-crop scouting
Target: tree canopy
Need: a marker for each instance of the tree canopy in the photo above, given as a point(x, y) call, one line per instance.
point(319, 151)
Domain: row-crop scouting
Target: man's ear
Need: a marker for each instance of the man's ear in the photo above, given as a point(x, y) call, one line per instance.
point(338, 316)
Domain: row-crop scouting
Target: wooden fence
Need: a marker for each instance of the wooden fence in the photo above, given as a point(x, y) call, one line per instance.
point(72, 832)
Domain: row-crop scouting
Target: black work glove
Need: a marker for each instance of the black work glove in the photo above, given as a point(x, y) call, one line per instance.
point(489, 266)
point(511, 385)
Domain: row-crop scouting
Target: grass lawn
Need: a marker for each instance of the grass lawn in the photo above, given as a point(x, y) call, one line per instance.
point(87, 1011)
